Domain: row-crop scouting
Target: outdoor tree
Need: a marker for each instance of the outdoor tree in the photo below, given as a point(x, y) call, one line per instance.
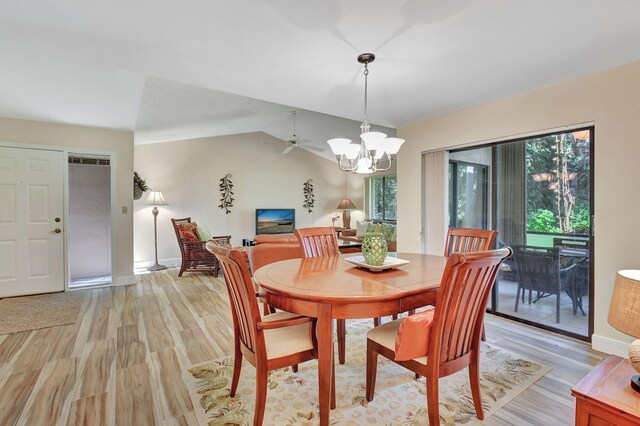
point(558, 180)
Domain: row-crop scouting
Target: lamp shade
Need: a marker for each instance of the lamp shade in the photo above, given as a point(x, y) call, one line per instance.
point(624, 313)
point(373, 140)
point(346, 204)
point(155, 198)
point(339, 145)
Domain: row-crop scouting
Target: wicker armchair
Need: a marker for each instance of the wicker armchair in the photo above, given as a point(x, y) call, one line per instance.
point(195, 256)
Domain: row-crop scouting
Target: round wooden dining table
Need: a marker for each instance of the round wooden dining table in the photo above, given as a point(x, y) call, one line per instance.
point(329, 288)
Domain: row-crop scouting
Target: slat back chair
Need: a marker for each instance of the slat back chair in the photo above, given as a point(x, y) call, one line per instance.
point(454, 341)
point(318, 241)
point(322, 242)
point(468, 240)
point(252, 338)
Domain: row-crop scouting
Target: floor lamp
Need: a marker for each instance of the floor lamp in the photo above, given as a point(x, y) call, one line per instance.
point(156, 199)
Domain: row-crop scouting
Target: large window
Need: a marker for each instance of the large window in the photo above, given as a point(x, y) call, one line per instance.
point(382, 193)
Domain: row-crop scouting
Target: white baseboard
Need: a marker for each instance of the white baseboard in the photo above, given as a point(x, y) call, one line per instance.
point(126, 280)
point(170, 263)
point(610, 346)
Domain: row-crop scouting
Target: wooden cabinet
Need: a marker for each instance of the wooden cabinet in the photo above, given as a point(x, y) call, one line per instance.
point(605, 397)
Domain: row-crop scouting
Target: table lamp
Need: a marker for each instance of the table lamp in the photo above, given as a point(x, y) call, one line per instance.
point(346, 206)
point(624, 315)
point(156, 199)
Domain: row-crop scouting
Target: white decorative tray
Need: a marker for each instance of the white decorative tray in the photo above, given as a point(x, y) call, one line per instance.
point(389, 263)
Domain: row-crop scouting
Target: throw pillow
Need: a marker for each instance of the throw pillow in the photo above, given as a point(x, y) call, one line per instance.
point(361, 228)
point(412, 340)
point(390, 232)
point(188, 231)
point(371, 227)
point(203, 233)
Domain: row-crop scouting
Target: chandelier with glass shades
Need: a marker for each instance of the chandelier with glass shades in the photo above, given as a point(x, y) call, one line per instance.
point(376, 151)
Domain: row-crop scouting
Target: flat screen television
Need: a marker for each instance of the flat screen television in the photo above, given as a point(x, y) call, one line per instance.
point(275, 221)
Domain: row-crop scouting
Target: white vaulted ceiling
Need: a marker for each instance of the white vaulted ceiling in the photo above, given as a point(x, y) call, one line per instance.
point(134, 64)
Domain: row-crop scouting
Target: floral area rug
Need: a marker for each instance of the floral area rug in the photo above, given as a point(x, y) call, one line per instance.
point(292, 398)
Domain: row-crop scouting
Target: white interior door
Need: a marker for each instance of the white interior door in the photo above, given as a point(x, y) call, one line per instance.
point(31, 207)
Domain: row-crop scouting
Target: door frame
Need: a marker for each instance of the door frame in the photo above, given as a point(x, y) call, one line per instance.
point(66, 150)
point(112, 182)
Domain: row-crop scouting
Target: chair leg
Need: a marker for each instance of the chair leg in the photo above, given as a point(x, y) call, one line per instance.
point(237, 366)
point(294, 368)
point(432, 400)
point(417, 376)
point(261, 395)
point(181, 272)
point(558, 308)
point(518, 297)
point(376, 321)
point(394, 316)
point(411, 312)
point(474, 379)
point(333, 383)
point(483, 337)
point(372, 369)
point(342, 339)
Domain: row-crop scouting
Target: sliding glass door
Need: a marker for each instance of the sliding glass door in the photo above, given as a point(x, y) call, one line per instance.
point(538, 193)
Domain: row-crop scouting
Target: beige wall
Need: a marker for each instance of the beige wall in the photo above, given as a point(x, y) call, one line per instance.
point(611, 100)
point(188, 174)
point(77, 138)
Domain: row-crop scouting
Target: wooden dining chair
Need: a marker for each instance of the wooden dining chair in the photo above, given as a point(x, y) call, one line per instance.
point(454, 335)
point(318, 242)
point(274, 341)
point(469, 240)
point(321, 242)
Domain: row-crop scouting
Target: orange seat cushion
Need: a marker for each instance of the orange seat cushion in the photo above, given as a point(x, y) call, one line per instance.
point(412, 340)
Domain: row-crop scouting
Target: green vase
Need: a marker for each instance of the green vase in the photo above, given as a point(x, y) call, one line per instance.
point(374, 248)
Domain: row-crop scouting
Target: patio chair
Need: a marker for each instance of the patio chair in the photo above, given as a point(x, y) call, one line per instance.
point(454, 330)
point(195, 256)
point(539, 271)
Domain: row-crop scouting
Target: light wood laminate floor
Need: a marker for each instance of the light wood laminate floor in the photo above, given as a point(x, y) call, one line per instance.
point(123, 361)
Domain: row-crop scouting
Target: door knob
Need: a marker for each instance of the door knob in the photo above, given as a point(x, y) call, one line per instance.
point(57, 219)
point(57, 230)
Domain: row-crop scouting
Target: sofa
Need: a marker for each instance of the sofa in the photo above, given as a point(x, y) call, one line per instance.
point(357, 235)
point(273, 248)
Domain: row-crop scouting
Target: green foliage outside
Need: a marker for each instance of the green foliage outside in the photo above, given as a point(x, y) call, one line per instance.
point(543, 220)
point(562, 204)
point(384, 201)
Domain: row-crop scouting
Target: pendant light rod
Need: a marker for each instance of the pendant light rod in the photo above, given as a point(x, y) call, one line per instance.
point(366, 156)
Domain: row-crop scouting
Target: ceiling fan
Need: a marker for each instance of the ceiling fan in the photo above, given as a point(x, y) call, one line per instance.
point(296, 142)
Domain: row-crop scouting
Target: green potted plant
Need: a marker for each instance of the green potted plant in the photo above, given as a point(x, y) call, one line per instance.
point(139, 186)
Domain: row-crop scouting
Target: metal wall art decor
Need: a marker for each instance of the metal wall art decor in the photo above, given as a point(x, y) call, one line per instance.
point(226, 186)
point(308, 195)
